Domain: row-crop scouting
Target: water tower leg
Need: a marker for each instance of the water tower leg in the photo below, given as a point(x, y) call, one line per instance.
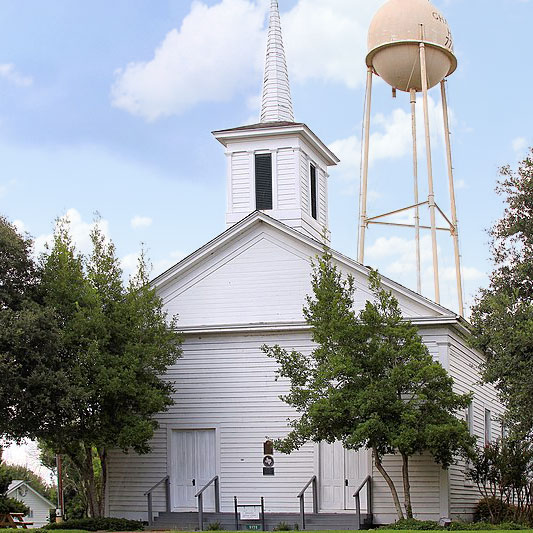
point(364, 182)
point(455, 233)
point(431, 195)
point(415, 176)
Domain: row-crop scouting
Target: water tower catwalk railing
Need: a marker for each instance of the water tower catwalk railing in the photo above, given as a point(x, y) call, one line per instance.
point(450, 226)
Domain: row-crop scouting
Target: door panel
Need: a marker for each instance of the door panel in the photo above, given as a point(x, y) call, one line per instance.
point(356, 470)
point(331, 476)
point(194, 465)
point(340, 474)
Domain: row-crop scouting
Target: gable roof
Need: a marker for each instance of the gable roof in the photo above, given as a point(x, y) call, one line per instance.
point(16, 483)
point(436, 313)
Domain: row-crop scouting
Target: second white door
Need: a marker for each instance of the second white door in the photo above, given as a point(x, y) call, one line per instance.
point(341, 472)
point(194, 464)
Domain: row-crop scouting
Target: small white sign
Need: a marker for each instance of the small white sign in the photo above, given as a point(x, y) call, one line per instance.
point(249, 512)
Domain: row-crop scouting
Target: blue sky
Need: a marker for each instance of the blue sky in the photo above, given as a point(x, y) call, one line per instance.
point(108, 107)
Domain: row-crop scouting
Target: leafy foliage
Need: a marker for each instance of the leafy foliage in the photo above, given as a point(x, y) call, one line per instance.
point(114, 344)
point(370, 382)
point(429, 525)
point(503, 314)
point(9, 505)
point(98, 524)
point(82, 353)
point(503, 473)
point(28, 335)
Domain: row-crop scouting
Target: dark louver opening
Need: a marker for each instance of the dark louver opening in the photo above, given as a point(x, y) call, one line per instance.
point(314, 207)
point(263, 181)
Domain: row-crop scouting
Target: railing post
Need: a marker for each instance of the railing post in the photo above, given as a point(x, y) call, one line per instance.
point(302, 512)
point(236, 514)
point(263, 513)
point(217, 495)
point(315, 496)
point(201, 511)
point(150, 515)
point(167, 493)
point(358, 511)
point(369, 497)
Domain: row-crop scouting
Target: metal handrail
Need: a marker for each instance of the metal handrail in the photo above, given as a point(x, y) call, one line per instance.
point(200, 496)
point(357, 495)
point(148, 493)
point(313, 481)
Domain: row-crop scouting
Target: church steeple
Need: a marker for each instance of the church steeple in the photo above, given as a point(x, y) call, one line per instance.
point(277, 166)
point(276, 105)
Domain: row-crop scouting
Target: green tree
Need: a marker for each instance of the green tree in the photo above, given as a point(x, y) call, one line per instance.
point(37, 482)
point(115, 343)
point(28, 335)
point(502, 316)
point(8, 505)
point(370, 382)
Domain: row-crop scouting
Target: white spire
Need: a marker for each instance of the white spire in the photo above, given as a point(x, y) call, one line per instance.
point(276, 105)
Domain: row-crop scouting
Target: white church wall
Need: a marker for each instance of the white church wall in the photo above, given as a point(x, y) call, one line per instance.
point(223, 382)
point(465, 369)
point(261, 276)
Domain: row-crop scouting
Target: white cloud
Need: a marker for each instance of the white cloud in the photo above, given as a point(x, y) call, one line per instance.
point(519, 145)
point(80, 232)
point(130, 262)
point(327, 40)
point(390, 138)
point(9, 73)
point(208, 59)
point(219, 51)
point(140, 222)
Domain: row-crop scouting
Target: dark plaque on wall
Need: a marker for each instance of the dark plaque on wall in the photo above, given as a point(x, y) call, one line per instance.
point(268, 447)
point(268, 471)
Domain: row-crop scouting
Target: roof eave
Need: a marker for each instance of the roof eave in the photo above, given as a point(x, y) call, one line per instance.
point(236, 134)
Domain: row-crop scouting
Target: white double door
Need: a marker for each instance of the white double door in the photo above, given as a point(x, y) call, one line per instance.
point(341, 473)
point(193, 464)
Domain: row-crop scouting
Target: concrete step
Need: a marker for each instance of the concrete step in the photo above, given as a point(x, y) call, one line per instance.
point(321, 521)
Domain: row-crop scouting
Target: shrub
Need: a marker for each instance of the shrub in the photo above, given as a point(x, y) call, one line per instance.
point(283, 526)
point(493, 510)
point(484, 526)
point(412, 524)
point(215, 526)
point(98, 524)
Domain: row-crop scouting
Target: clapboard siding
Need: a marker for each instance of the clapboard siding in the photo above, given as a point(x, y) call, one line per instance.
point(261, 277)
point(244, 407)
point(287, 192)
point(322, 198)
point(131, 475)
point(241, 180)
point(464, 368)
point(304, 183)
point(39, 509)
point(425, 488)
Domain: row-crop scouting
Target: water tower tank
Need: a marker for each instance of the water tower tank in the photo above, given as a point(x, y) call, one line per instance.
point(393, 43)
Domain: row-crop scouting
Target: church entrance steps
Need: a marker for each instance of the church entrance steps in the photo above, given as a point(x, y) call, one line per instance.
point(188, 521)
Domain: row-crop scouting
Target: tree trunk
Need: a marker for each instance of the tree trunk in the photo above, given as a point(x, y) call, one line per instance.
point(390, 483)
point(92, 496)
point(406, 486)
point(102, 454)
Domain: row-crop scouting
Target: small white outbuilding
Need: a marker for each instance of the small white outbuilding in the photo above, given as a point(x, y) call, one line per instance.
point(39, 505)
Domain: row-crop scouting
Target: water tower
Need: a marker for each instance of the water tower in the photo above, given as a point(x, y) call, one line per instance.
point(411, 48)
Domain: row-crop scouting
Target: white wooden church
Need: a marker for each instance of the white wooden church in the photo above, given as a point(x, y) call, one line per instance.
point(246, 288)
